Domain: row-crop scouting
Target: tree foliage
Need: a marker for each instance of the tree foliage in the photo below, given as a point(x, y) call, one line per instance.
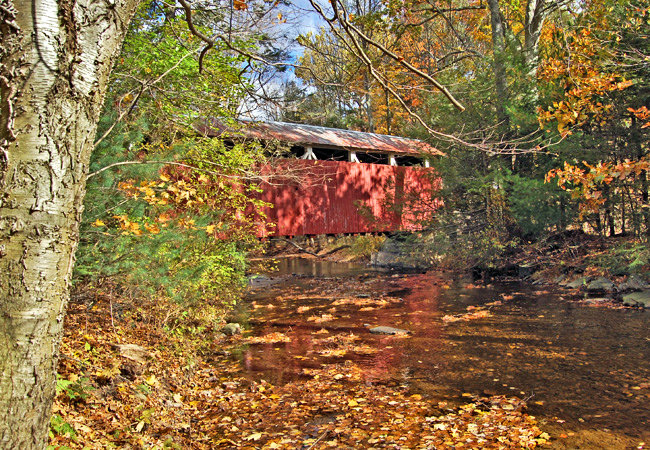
point(167, 212)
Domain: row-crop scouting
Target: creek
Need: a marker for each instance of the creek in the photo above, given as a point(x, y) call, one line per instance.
point(583, 370)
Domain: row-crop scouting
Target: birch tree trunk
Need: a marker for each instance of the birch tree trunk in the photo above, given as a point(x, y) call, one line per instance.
point(536, 13)
point(499, 64)
point(55, 60)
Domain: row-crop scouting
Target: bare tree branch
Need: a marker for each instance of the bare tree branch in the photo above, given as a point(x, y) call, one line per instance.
point(348, 26)
point(209, 42)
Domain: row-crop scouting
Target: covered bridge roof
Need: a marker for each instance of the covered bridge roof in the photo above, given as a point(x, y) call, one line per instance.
point(314, 136)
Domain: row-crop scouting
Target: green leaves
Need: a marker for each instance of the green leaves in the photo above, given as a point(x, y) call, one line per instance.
point(59, 427)
point(77, 389)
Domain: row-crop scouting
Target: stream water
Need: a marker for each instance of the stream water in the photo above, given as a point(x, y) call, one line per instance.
point(584, 370)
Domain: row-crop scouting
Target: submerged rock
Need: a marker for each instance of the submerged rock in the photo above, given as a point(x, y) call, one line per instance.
point(634, 283)
point(641, 298)
point(577, 284)
point(257, 281)
point(601, 285)
point(598, 301)
point(388, 330)
point(231, 329)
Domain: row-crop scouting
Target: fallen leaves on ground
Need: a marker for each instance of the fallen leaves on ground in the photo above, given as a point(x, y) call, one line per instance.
point(472, 314)
point(335, 408)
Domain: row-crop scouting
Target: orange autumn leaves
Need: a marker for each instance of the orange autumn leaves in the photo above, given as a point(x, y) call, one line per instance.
point(585, 83)
point(472, 313)
point(333, 407)
point(590, 70)
point(587, 184)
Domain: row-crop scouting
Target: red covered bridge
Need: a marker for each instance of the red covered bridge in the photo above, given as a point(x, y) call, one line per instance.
point(345, 181)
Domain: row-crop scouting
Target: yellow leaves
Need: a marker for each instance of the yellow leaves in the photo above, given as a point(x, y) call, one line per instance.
point(182, 193)
point(332, 353)
point(240, 5)
point(186, 223)
point(98, 223)
point(253, 437)
point(321, 318)
point(478, 313)
point(127, 225)
point(152, 228)
point(586, 83)
point(151, 380)
point(128, 98)
point(108, 373)
point(163, 219)
point(271, 338)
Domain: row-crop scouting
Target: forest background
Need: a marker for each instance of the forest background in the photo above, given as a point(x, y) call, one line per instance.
point(543, 118)
point(551, 135)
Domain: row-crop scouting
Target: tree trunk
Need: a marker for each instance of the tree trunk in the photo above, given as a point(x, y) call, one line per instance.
point(644, 198)
point(536, 12)
point(499, 64)
point(55, 63)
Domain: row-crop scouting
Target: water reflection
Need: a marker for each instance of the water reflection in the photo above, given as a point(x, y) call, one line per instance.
point(587, 365)
point(316, 267)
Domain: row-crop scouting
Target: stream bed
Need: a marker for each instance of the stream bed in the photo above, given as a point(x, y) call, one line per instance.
point(583, 370)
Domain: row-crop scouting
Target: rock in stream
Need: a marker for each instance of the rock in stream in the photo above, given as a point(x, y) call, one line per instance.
point(388, 330)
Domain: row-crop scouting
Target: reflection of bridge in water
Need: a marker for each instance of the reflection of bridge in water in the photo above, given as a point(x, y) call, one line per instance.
point(345, 181)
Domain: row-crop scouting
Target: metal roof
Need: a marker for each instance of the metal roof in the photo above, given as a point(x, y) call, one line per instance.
point(314, 136)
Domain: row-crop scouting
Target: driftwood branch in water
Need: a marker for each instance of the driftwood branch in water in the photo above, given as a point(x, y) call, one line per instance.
point(336, 250)
point(296, 245)
point(309, 252)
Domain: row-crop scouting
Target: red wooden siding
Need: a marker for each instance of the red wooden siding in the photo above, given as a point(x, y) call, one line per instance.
point(330, 194)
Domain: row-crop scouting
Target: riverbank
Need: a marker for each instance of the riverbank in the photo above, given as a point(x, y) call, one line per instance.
point(610, 272)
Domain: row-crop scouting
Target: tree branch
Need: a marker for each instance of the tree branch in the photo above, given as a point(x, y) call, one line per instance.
point(347, 25)
point(209, 42)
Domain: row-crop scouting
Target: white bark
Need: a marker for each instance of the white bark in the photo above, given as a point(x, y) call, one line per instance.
point(499, 63)
point(53, 76)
